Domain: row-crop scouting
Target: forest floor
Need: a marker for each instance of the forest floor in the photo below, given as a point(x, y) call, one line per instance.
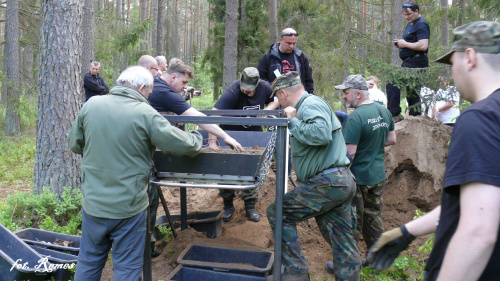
point(414, 168)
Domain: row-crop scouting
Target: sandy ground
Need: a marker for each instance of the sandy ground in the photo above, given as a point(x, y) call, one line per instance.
point(414, 167)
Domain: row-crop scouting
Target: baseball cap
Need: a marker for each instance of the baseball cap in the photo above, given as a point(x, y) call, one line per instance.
point(355, 81)
point(286, 80)
point(482, 36)
point(249, 79)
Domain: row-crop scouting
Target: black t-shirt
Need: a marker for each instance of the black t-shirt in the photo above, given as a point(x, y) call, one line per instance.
point(473, 156)
point(413, 33)
point(165, 99)
point(234, 98)
point(287, 62)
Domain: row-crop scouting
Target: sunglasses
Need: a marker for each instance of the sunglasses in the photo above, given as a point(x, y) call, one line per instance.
point(289, 34)
point(407, 5)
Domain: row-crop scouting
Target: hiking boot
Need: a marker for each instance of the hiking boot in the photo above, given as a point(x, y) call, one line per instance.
point(398, 118)
point(252, 213)
point(228, 210)
point(329, 267)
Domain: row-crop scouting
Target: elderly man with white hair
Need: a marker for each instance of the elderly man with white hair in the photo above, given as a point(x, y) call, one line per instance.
point(117, 135)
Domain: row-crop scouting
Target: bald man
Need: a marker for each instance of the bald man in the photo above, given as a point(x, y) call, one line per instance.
point(283, 57)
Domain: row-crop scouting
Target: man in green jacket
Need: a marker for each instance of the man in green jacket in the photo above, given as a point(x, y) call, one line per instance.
point(326, 185)
point(117, 135)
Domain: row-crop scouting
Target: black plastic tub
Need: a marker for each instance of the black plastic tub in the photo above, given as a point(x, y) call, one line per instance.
point(182, 273)
point(46, 239)
point(18, 261)
point(229, 258)
point(62, 261)
point(207, 222)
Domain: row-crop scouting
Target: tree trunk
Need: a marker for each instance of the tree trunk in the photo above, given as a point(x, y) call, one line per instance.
point(397, 29)
point(118, 10)
point(273, 21)
point(59, 95)
point(230, 43)
point(364, 12)
point(11, 69)
point(445, 33)
point(186, 34)
point(88, 42)
point(243, 22)
point(154, 35)
point(160, 32)
point(143, 17)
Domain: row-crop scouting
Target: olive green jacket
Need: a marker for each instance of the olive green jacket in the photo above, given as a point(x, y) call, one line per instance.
point(117, 135)
point(317, 141)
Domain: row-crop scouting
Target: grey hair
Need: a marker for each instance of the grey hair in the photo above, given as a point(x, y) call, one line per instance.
point(95, 63)
point(365, 93)
point(134, 77)
point(160, 59)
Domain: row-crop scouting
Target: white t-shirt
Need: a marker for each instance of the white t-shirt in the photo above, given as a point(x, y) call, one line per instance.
point(443, 97)
point(377, 95)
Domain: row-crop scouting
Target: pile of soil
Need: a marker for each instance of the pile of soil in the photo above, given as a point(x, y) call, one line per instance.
point(414, 167)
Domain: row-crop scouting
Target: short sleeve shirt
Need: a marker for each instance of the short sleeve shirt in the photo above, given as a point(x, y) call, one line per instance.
point(473, 156)
point(234, 98)
point(367, 127)
point(413, 33)
point(164, 98)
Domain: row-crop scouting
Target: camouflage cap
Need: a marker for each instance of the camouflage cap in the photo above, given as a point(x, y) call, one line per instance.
point(286, 80)
point(249, 79)
point(355, 81)
point(482, 36)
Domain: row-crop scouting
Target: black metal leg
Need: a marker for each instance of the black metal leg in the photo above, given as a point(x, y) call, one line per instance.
point(281, 177)
point(183, 208)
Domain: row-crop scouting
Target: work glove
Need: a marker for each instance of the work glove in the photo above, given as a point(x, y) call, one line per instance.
point(383, 253)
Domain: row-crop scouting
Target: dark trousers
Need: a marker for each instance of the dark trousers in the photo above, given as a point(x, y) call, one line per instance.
point(412, 96)
point(126, 236)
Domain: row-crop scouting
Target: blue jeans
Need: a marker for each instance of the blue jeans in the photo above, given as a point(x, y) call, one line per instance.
point(126, 236)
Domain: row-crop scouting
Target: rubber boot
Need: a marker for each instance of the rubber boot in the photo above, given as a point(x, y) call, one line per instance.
point(329, 267)
point(228, 210)
point(252, 213)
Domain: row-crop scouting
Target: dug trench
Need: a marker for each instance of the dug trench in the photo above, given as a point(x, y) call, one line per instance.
point(414, 167)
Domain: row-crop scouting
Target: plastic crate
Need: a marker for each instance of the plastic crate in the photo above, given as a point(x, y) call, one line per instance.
point(18, 261)
point(235, 259)
point(182, 273)
point(38, 237)
point(63, 260)
point(207, 222)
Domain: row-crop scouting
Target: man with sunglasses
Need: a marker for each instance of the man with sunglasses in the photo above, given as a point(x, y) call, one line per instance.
point(466, 245)
point(284, 57)
point(413, 49)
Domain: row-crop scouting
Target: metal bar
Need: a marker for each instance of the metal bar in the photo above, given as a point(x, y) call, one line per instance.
point(233, 112)
point(224, 120)
point(281, 177)
point(199, 185)
point(165, 208)
point(146, 268)
point(162, 175)
point(183, 208)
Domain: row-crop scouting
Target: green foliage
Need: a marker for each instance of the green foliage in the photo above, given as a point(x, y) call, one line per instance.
point(166, 233)
point(27, 108)
point(45, 211)
point(401, 269)
point(17, 160)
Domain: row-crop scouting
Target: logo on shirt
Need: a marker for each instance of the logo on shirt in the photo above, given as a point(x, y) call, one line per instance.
point(250, 107)
point(287, 66)
point(379, 123)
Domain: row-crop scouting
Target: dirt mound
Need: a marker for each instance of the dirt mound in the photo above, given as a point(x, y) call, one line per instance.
point(414, 166)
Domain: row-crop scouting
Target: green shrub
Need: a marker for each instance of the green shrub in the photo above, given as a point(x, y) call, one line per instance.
point(45, 211)
point(17, 160)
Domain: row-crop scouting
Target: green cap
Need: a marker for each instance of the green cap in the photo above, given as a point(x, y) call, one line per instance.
point(355, 81)
point(249, 79)
point(482, 36)
point(286, 80)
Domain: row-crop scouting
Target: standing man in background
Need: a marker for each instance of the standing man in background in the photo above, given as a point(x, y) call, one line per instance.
point(413, 49)
point(93, 84)
point(247, 93)
point(284, 57)
point(368, 130)
point(162, 64)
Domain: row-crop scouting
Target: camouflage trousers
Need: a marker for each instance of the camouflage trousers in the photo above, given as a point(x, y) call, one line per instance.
point(327, 198)
point(246, 194)
point(368, 203)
